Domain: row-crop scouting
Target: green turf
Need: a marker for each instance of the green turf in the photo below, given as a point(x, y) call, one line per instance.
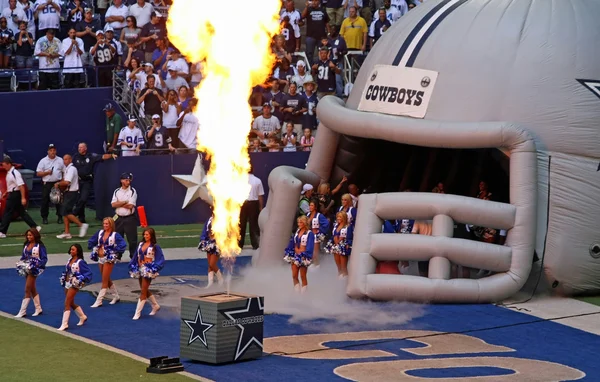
point(595, 300)
point(54, 355)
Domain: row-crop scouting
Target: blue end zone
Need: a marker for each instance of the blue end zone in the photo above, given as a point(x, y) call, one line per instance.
point(159, 335)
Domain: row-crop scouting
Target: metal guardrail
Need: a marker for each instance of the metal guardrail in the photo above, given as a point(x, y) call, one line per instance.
point(126, 98)
point(351, 66)
point(29, 77)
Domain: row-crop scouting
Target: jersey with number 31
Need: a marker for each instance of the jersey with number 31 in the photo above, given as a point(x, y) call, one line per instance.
point(325, 77)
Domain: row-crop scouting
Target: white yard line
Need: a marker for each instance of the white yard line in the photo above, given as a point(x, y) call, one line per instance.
point(98, 344)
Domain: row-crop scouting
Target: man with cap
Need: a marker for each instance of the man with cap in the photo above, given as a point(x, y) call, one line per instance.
point(176, 63)
point(70, 183)
point(305, 195)
point(325, 71)
point(104, 55)
point(130, 138)
point(251, 209)
point(301, 76)
point(16, 200)
point(149, 71)
point(50, 169)
point(113, 127)
point(151, 32)
point(309, 119)
point(124, 202)
point(86, 30)
point(158, 138)
point(266, 126)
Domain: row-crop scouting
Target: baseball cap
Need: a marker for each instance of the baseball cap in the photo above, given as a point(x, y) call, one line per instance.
point(86, 10)
point(149, 64)
point(100, 32)
point(156, 116)
point(301, 63)
point(127, 175)
point(324, 48)
point(306, 187)
point(132, 118)
point(108, 28)
point(108, 106)
point(156, 13)
point(266, 104)
point(51, 146)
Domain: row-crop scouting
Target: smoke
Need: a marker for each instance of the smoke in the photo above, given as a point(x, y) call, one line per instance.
point(325, 299)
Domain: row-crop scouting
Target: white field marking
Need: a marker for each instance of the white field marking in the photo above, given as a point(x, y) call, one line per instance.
point(97, 344)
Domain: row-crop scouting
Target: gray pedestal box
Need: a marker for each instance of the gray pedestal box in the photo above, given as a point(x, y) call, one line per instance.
point(219, 328)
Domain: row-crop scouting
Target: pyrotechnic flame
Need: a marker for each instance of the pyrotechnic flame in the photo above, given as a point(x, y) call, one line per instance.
point(233, 44)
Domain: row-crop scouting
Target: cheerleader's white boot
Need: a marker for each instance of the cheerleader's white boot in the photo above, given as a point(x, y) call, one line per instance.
point(81, 315)
point(65, 321)
point(297, 287)
point(138, 309)
point(23, 311)
point(100, 297)
point(219, 277)
point(211, 279)
point(38, 306)
point(303, 290)
point(116, 298)
point(155, 306)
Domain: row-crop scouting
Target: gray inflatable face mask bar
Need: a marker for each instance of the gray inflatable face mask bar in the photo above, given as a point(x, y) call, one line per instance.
point(512, 262)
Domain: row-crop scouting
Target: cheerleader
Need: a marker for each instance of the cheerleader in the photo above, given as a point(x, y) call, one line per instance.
point(319, 226)
point(107, 247)
point(209, 245)
point(144, 266)
point(31, 265)
point(76, 275)
point(348, 209)
point(299, 252)
point(340, 244)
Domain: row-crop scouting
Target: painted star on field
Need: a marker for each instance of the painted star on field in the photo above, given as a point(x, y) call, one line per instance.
point(251, 332)
point(198, 329)
point(195, 184)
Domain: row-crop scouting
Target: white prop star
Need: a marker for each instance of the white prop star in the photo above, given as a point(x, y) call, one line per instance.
point(195, 184)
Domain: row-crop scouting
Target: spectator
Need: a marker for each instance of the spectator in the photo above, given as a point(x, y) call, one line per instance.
point(75, 12)
point(130, 35)
point(27, 7)
point(307, 140)
point(316, 26)
point(101, 8)
point(309, 119)
point(284, 73)
point(400, 5)
point(48, 14)
point(158, 137)
point(184, 96)
point(130, 138)
point(275, 99)
point(6, 40)
point(254, 146)
point(378, 27)
point(50, 169)
point(13, 15)
point(115, 17)
point(171, 110)
point(338, 48)
point(351, 3)
point(24, 51)
point(392, 13)
point(151, 32)
point(354, 30)
point(151, 97)
point(301, 76)
point(142, 12)
point(173, 81)
point(160, 54)
point(304, 203)
point(289, 138)
point(110, 38)
point(133, 75)
point(325, 71)
point(71, 50)
point(189, 126)
point(176, 63)
point(366, 11)
point(47, 49)
point(335, 12)
point(293, 107)
point(294, 17)
point(103, 55)
point(196, 72)
point(439, 189)
point(266, 125)
point(133, 52)
point(86, 30)
point(292, 41)
point(113, 127)
point(273, 145)
point(279, 49)
point(148, 70)
point(70, 182)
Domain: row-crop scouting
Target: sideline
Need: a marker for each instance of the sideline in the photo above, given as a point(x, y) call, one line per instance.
point(98, 344)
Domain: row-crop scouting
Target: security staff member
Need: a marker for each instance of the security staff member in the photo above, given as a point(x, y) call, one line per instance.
point(124, 201)
point(16, 200)
point(50, 169)
point(250, 210)
point(84, 162)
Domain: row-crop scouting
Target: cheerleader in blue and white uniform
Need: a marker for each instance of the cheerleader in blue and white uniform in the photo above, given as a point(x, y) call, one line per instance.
point(144, 266)
point(319, 226)
point(31, 265)
point(208, 244)
point(76, 275)
point(299, 253)
point(348, 209)
point(340, 244)
point(107, 247)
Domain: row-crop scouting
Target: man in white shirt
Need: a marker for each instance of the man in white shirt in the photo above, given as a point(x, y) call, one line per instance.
point(266, 126)
point(47, 49)
point(251, 209)
point(115, 17)
point(124, 202)
point(141, 11)
point(189, 124)
point(130, 138)
point(50, 169)
point(48, 14)
point(16, 200)
point(176, 63)
point(70, 183)
point(72, 49)
point(13, 16)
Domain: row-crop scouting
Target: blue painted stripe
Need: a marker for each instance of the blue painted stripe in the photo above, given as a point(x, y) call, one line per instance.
point(420, 44)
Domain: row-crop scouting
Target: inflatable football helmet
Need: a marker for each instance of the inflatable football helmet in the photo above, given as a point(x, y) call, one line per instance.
point(462, 91)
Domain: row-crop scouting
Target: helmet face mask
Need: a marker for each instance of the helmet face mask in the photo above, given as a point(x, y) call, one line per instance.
point(56, 196)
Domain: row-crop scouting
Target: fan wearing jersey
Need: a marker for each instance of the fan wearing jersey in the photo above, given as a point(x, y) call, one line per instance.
point(293, 107)
point(378, 27)
point(158, 138)
point(48, 14)
point(301, 76)
point(309, 120)
point(290, 35)
point(325, 70)
point(104, 55)
point(393, 13)
point(130, 138)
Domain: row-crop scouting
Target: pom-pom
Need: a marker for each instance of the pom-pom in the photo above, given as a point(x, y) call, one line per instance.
point(134, 271)
point(94, 255)
point(22, 268)
point(62, 279)
point(149, 270)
